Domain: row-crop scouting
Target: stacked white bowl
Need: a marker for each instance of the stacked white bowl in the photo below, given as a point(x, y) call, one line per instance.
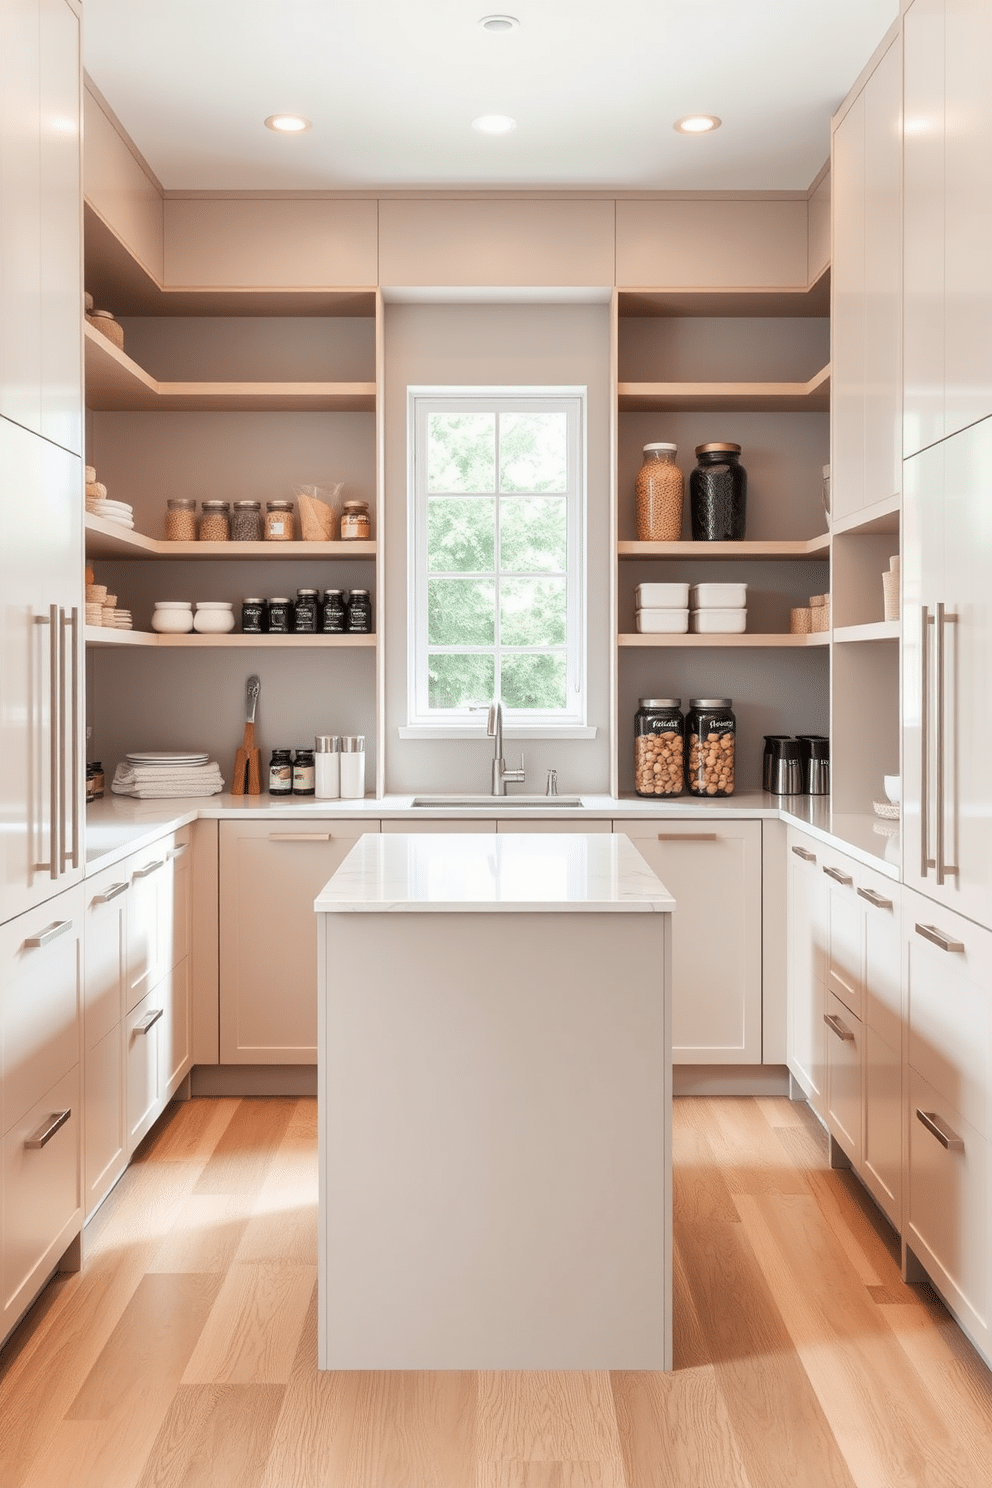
point(662, 609)
point(718, 609)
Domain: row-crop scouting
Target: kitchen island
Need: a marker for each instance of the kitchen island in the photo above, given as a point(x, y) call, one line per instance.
point(494, 1067)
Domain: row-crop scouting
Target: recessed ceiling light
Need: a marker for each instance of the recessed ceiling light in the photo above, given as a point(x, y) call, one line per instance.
point(494, 124)
point(498, 23)
point(287, 123)
point(697, 124)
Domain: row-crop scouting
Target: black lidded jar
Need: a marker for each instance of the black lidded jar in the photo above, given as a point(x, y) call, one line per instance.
point(306, 612)
point(303, 773)
point(659, 747)
point(359, 609)
point(280, 615)
point(335, 613)
point(254, 620)
point(718, 494)
point(281, 773)
point(711, 741)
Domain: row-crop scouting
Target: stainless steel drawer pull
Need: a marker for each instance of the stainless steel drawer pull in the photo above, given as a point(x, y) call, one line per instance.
point(945, 1136)
point(686, 836)
point(938, 938)
point(838, 875)
point(112, 892)
point(34, 942)
point(836, 1026)
point(878, 900)
point(47, 1132)
point(300, 837)
point(179, 849)
point(148, 868)
point(807, 857)
point(148, 1021)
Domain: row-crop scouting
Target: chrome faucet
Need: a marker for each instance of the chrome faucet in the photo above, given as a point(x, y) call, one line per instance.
point(494, 730)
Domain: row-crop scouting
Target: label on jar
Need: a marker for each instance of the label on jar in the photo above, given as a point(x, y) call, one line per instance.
point(277, 526)
point(281, 780)
point(352, 526)
point(303, 780)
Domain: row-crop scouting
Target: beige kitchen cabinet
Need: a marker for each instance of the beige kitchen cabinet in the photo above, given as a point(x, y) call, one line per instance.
point(40, 1026)
point(807, 953)
point(157, 1051)
point(104, 1005)
point(845, 1073)
point(948, 218)
point(866, 432)
point(159, 910)
point(948, 970)
point(713, 869)
point(270, 875)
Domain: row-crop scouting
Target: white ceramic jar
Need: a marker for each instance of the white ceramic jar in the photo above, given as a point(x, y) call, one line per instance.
point(352, 766)
point(213, 617)
point(172, 616)
point(327, 766)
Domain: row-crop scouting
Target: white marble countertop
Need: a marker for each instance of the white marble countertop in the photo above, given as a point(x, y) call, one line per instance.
point(513, 873)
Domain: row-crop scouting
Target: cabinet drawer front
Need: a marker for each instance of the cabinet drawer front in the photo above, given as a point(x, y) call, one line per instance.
point(105, 952)
point(845, 1053)
point(41, 1001)
point(149, 918)
point(143, 1064)
point(948, 1201)
point(845, 939)
point(105, 1146)
point(948, 1004)
point(42, 1200)
point(880, 899)
point(882, 1171)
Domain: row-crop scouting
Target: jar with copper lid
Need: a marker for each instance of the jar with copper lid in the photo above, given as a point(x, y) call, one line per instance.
point(279, 521)
point(215, 521)
point(355, 522)
point(718, 494)
point(658, 494)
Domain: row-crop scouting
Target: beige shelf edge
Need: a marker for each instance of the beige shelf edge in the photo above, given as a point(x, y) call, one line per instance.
point(822, 638)
point(116, 384)
point(109, 540)
point(878, 630)
point(813, 547)
point(732, 397)
point(96, 635)
point(881, 517)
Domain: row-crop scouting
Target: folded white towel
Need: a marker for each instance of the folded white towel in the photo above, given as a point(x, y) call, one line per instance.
point(156, 782)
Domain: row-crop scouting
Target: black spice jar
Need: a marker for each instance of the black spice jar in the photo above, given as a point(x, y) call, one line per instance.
point(306, 612)
point(253, 617)
point(359, 610)
point(303, 773)
point(334, 612)
point(718, 494)
point(280, 615)
point(281, 773)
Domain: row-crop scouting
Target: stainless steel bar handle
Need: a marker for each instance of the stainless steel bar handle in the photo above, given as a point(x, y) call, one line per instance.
point(944, 869)
point(838, 875)
point(807, 857)
point(300, 837)
point(686, 836)
point(112, 891)
point(148, 868)
point(148, 1021)
point(46, 1133)
point(73, 626)
point(836, 1026)
point(63, 793)
point(179, 849)
point(36, 942)
point(878, 900)
point(938, 938)
point(54, 730)
point(945, 1135)
point(926, 863)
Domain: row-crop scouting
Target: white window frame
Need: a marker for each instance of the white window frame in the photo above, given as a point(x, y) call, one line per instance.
point(455, 723)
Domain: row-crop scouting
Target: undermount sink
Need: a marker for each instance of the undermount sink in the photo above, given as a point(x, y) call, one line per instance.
point(497, 803)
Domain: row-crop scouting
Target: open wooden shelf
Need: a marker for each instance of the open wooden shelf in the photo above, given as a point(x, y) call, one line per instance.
point(822, 638)
point(96, 635)
point(116, 384)
point(883, 518)
point(813, 547)
point(876, 630)
point(106, 539)
point(729, 397)
point(807, 300)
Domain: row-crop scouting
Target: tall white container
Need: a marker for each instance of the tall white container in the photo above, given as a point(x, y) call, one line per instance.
point(327, 767)
point(352, 766)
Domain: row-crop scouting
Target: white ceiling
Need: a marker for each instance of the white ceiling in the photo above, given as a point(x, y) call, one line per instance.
point(392, 86)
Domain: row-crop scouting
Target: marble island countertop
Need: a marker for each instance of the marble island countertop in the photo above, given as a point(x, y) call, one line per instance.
point(482, 872)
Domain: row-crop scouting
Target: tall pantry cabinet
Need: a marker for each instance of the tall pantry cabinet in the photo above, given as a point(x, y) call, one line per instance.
point(41, 797)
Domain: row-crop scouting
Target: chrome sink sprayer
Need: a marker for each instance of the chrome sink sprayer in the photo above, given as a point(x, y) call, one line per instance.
point(494, 730)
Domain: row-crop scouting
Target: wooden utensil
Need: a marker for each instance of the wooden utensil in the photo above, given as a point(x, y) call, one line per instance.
point(247, 776)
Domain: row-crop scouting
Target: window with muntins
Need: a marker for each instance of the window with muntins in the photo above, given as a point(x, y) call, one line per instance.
point(497, 503)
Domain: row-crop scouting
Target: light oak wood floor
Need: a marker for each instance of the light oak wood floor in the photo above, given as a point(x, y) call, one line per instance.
point(184, 1353)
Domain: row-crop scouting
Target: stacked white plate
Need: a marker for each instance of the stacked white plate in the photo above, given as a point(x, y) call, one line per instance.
point(176, 759)
point(718, 609)
point(662, 609)
point(112, 511)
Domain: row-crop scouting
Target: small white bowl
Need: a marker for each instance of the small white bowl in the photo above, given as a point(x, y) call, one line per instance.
point(893, 788)
point(172, 618)
point(213, 617)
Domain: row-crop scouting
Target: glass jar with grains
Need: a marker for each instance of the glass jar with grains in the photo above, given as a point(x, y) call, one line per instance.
point(712, 735)
point(279, 521)
point(215, 521)
point(658, 493)
point(355, 523)
point(180, 519)
point(659, 747)
point(246, 522)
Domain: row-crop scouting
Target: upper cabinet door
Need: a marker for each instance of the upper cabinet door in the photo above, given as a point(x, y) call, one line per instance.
point(20, 216)
point(924, 225)
point(847, 325)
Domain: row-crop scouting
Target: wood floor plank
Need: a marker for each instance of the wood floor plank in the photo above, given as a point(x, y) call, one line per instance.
point(865, 1237)
point(417, 1429)
point(548, 1416)
point(948, 1366)
point(205, 1235)
point(546, 1475)
point(781, 1112)
point(880, 1411)
point(214, 1436)
point(149, 1349)
point(782, 1434)
point(750, 1155)
point(243, 1154)
point(675, 1430)
point(699, 1190)
point(253, 1332)
point(189, 1130)
point(690, 1349)
point(282, 1225)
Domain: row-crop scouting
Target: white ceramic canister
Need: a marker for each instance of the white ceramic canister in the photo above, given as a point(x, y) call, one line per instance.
point(213, 617)
point(327, 766)
point(172, 616)
point(352, 766)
